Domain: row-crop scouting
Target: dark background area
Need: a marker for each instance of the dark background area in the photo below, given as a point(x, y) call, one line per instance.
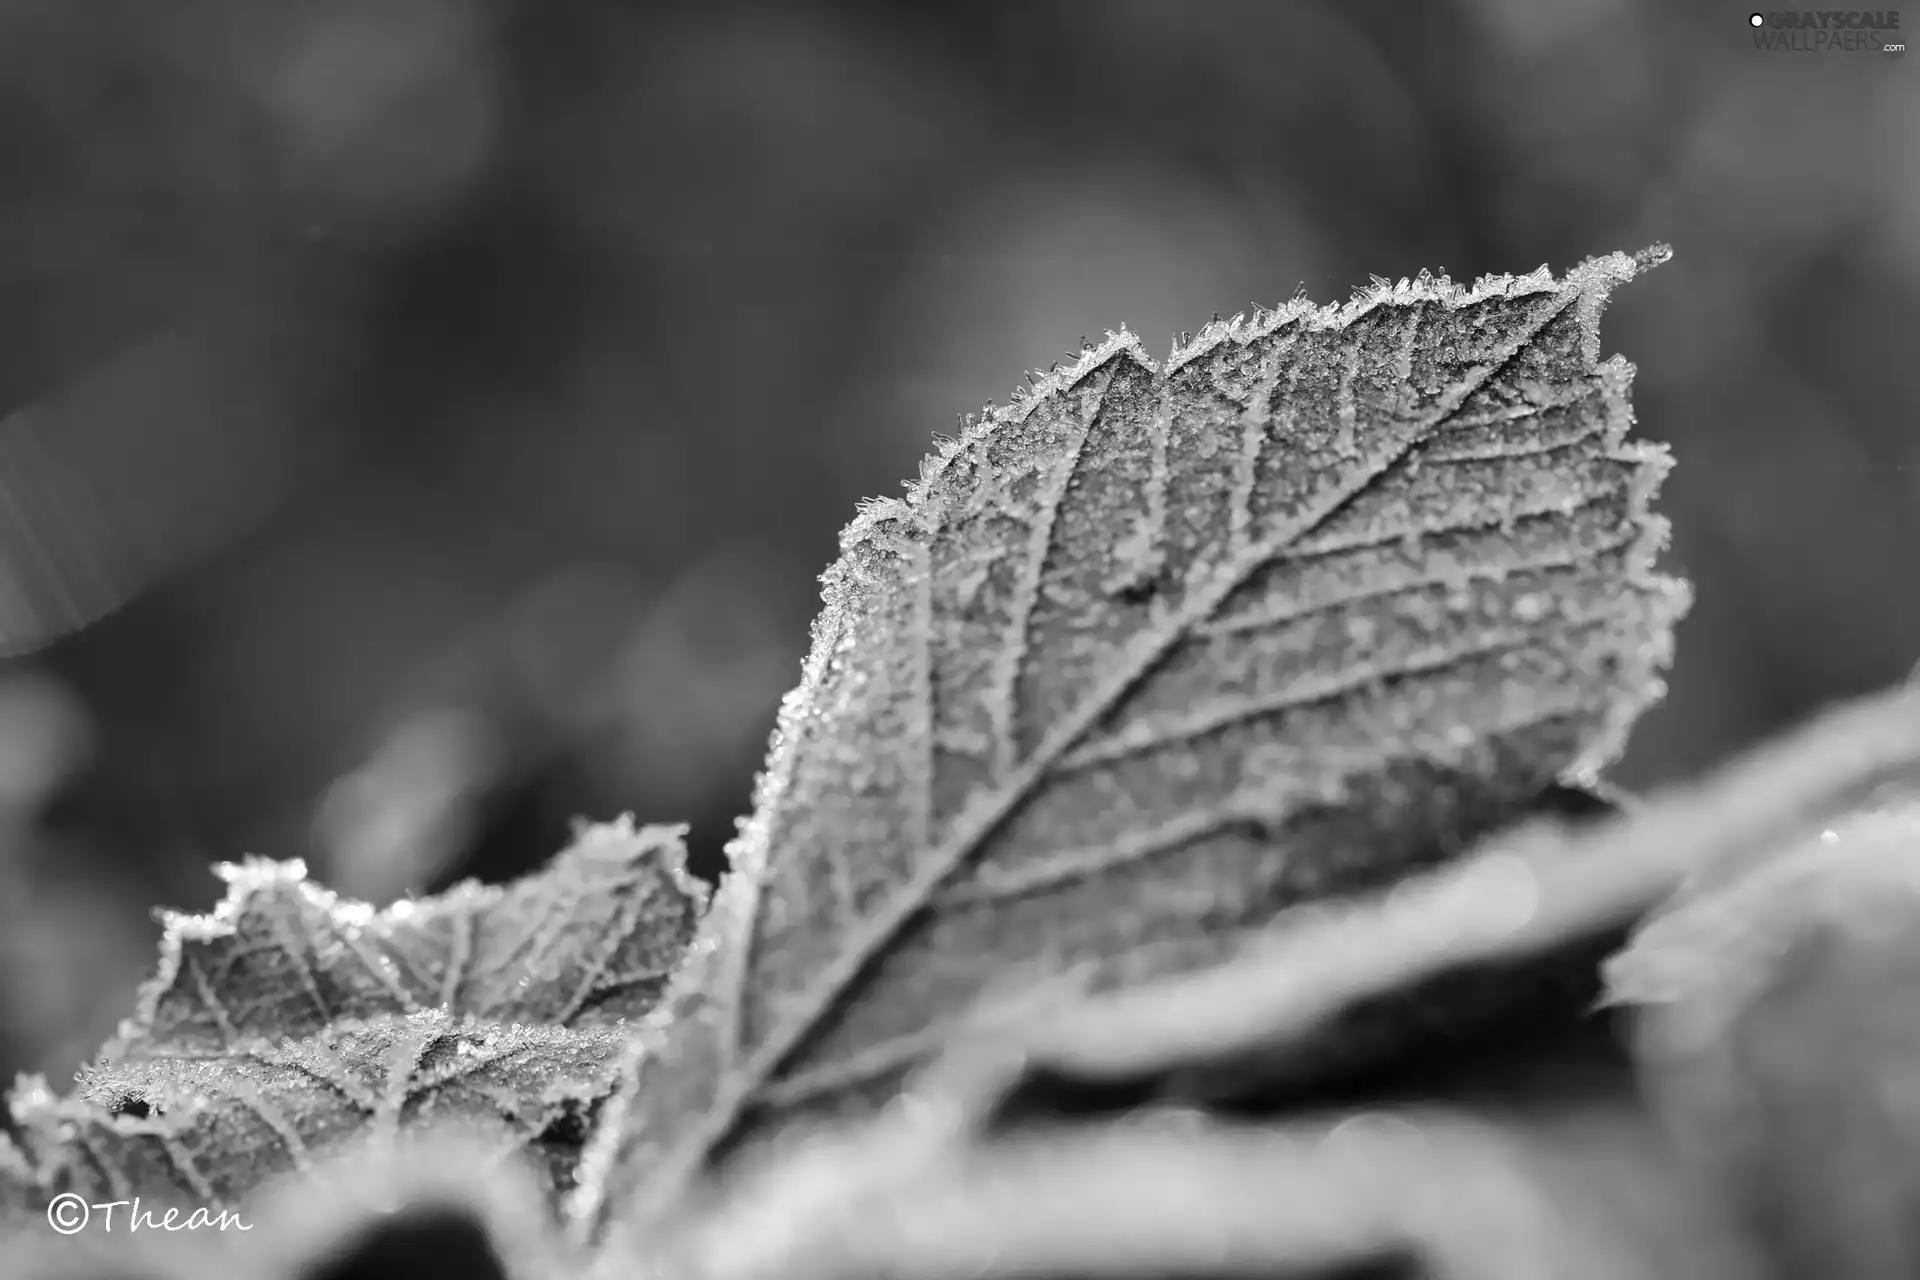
point(440, 411)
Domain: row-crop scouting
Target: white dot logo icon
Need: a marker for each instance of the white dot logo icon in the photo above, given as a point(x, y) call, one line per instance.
point(1756, 19)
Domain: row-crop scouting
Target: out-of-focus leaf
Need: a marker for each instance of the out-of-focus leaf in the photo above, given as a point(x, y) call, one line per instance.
point(446, 1205)
point(1778, 1037)
point(1447, 1193)
point(19, 1187)
point(1154, 653)
point(288, 1024)
point(1711, 947)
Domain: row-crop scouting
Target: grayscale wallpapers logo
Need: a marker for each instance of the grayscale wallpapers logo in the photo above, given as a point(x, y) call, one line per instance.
point(1827, 30)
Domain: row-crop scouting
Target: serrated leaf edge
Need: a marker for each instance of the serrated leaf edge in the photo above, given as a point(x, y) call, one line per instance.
point(253, 875)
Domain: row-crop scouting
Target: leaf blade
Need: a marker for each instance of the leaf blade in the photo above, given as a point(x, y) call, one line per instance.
point(1256, 445)
point(288, 1023)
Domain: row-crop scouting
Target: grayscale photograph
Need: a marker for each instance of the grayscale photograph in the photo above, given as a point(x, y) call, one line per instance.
point(1021, 640)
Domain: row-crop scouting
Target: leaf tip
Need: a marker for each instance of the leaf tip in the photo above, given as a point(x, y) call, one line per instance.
point(1653, 255)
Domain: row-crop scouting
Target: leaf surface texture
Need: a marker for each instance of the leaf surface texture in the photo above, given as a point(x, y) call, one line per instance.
point(1153, 653)
point(288, 1024)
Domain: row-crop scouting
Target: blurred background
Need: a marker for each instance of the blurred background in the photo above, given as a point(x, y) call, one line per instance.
point(424, 420)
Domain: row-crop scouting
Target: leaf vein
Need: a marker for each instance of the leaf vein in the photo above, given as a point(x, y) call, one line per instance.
point(288, 943)
point(1161, 732)
point(1140, 552)
point(923, 708)
point(1281, 611)
point(1134, 847)
point(229, 1033)
point(1003, 700)
point(244, 1092)
point(1256, 425)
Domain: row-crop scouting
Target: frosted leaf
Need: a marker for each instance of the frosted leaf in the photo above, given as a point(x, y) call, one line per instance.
point(205, 1131)
point(589, 939)
point(288, 1024)
point(1152, 654)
